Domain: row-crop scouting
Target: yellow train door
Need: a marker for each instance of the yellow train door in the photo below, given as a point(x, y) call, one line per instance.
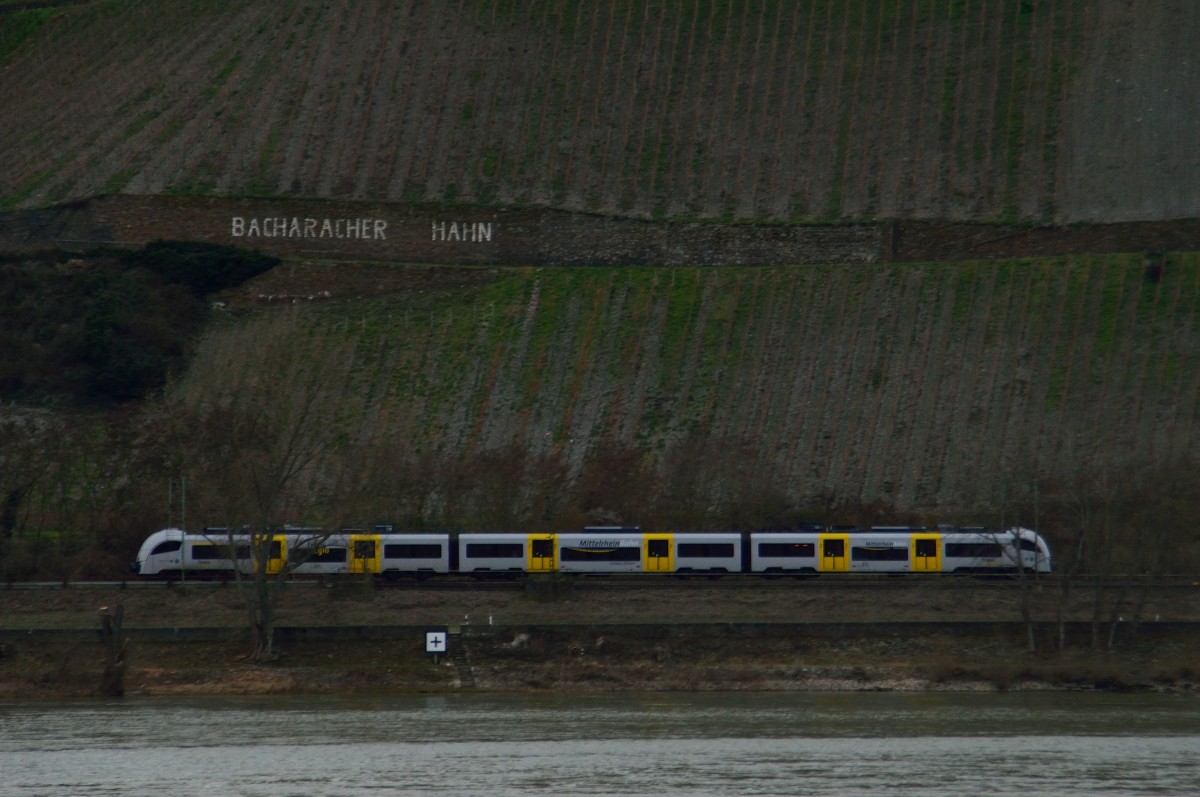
point(926, 553)
point(835, 553)
point(276, 554)
point(657, 556)
point(365, 553)
point(541, 553)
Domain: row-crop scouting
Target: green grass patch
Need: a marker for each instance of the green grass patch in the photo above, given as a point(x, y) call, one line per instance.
point(26, 190)
point(117, 182)
point(964, 291)
point(18, 27)
point(228, 64)
point(1112, 301)
point(138, 124)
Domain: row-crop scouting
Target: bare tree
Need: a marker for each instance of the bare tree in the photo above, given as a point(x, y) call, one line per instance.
point(1072, 539)
point(1101, 501)
point(24, 467)
point(23, 434)
point(63, 478)
point(1157, 532)
point(1115, 524)
point(1014, 546)
point(270, 410)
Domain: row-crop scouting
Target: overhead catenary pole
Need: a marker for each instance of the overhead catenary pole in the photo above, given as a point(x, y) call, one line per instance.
point(182, 528)
point(182, 519)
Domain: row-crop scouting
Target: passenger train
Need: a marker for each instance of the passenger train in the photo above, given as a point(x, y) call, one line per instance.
point(172, 553)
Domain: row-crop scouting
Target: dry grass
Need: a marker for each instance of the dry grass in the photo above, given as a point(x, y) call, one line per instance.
point(634, 657)
point(679, 602)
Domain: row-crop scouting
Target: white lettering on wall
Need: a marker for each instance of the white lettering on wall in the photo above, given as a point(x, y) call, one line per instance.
point(356, 229)
point(461, 231)
point(361, 229)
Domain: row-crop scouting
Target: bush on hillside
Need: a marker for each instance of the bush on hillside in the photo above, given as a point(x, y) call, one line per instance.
point(110, 326)
point(203, 268)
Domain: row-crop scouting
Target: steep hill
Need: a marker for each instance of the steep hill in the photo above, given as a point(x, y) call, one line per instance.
point(1044, 110)
point(925, 385)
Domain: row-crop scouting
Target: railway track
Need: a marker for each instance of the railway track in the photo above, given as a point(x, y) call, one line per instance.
point(620, 583)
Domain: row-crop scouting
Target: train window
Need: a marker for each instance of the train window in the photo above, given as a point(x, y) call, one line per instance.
point(861, 554)
point(706, 550)
point(364, 549)
point(974, 550)
point(1029, 545)
point(658, 548)
point(495, 550)
point(412, 551)
point(205, 551)
point(833, 547)
point(926, 547)
point(601, 554)
point(166, 547)
point(803, 550)
point(208, 551)
point(542, 549)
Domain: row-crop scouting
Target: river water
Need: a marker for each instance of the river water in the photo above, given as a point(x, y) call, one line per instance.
point(628, 744)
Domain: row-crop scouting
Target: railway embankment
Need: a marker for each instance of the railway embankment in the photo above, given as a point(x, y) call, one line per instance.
point(795, 637)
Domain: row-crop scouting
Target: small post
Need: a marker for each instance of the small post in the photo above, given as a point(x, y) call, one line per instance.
point(435, 643)
point(112, 681)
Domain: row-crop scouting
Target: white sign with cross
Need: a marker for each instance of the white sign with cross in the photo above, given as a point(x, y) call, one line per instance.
point(435, 641)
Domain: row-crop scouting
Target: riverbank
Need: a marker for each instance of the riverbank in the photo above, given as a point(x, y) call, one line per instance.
point(716, 657)
point(352, 638)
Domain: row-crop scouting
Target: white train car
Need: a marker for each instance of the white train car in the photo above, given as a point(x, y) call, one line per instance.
point(412, 555)
point(602, 550)
point(707, 552)
point(172, 553)
point(885, 550)
point(161, 554)
point(784, 552)
point(985, 552)
point(505, 553)
point(622, 549)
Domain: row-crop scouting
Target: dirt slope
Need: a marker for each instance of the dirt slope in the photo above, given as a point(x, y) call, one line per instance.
point(1047, 109)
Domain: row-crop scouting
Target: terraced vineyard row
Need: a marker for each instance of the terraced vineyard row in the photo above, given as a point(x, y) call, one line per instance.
point(924, 385)
point(742, 108)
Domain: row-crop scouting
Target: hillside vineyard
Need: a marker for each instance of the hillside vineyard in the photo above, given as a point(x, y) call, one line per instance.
point(926, 253)
point(1050, 111)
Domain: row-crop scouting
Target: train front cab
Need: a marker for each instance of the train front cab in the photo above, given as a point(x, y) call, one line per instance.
point(835, 553)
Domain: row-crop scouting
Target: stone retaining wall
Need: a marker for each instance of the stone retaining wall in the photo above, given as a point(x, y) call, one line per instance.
point(430, 234)
point(471, 235)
